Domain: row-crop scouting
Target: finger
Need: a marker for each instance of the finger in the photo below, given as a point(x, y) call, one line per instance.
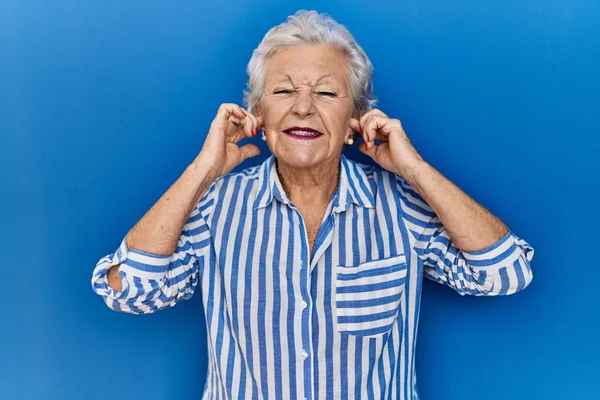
point(243, 126)
point(249, 150)
point(254, 123)
point(386, 127)
point(370, 151)
point(354, 124)
point(369, 133)
point(364, 121)
point(364, 125)
point(237, 122)
point(376, 129)
point(238, 128)
point(368, 115)
point(230, 117)
point(230, 109)
point(248, 123)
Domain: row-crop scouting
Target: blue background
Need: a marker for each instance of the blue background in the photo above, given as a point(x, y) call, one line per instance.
point(103, 104)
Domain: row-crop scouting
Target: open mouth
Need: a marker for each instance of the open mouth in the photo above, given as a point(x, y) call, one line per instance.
point(302, 133)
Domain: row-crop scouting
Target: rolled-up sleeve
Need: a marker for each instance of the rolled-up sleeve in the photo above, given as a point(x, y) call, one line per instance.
point(152, 282)
point(500, 269)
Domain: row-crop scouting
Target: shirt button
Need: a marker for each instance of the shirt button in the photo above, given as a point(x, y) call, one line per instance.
point(304, 305)
point(304, 354)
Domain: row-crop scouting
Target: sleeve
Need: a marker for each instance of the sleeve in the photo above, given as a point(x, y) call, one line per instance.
point(500, 269)
point(152, 282)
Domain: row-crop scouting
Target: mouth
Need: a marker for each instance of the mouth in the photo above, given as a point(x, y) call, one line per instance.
point(302, 133)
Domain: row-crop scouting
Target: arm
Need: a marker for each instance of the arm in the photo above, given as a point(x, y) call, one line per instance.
point(159, 232)
point(497, 264)
point(154, 273)
point(460, 243)
point(471, 227)
point(160, 259)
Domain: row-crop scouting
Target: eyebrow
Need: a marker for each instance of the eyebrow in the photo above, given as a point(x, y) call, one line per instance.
point(323, 77)
point(289, 78)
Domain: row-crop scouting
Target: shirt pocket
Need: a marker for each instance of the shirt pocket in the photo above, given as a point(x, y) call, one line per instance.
point(368, 295)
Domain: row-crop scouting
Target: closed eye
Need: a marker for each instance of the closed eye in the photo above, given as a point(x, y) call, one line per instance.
point(283, 91)
point(328, 94)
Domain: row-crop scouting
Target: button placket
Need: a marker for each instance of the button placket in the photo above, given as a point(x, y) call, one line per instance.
point(304, 314)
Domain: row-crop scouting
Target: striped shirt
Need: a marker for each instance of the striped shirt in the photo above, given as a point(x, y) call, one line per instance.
point(338, 324)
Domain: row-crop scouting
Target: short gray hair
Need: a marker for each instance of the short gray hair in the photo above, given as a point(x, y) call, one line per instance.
point(311, 27)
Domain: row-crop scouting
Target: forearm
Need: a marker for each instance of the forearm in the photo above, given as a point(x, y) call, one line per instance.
point(469, 224)
point(159, 229)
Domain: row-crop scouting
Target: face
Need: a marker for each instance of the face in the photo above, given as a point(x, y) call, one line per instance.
point(306, 105)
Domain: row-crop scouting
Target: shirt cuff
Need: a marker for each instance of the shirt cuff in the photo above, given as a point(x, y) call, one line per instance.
point(504, 252)
point(134, 263)
point(141, 264)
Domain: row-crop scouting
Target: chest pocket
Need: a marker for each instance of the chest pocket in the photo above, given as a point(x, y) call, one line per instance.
point(368, 295)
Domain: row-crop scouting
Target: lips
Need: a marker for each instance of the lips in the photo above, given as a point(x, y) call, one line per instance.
point(302, 133)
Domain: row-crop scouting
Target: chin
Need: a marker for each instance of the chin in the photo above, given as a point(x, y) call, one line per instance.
point(300, 159)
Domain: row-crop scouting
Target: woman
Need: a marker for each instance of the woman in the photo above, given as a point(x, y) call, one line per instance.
point(310, 265)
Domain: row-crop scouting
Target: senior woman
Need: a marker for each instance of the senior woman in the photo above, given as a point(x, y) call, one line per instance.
point(310, 265)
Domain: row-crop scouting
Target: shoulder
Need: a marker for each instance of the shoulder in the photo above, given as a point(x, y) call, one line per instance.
point(245, 175)
point(384, 182)
point(225, 184)
point(377, 177)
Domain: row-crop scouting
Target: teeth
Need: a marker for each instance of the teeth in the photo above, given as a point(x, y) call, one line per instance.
point(304, 133)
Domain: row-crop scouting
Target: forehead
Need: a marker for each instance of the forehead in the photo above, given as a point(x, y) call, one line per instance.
point(307, 65)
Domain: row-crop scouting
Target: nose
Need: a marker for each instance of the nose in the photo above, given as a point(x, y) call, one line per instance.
point(303, 106)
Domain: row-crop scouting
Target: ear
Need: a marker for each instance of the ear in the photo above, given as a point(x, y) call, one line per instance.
point(257, 111)
point(356, 115)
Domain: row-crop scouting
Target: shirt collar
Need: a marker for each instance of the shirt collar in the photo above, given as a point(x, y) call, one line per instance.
point(353, 186)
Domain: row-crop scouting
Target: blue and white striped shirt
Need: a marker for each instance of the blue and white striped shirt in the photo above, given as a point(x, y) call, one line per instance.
point(340, 324)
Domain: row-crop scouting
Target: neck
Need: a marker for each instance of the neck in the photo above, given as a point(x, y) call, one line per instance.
point(313, 185)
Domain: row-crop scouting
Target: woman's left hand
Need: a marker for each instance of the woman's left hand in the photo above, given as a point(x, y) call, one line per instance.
point(395, 153)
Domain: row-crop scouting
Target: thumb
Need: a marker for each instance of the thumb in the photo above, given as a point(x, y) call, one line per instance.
point(249, 150)
point(370, 151)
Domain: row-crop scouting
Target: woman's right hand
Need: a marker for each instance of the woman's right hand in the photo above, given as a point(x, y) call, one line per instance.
point(220, 152)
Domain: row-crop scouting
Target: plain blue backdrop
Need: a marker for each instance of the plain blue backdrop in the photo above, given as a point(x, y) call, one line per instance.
point(103, 104)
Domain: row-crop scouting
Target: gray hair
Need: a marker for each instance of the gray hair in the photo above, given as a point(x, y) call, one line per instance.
point(310, 27)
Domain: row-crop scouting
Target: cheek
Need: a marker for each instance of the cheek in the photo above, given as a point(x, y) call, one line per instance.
point(272, 113)
point(337, 121)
